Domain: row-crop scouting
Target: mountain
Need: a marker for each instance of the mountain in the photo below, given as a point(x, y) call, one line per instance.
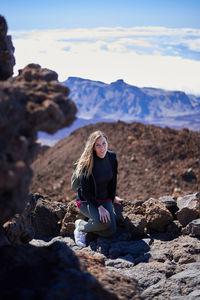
point(121, 101)
point(98, 101)
point(153, 161)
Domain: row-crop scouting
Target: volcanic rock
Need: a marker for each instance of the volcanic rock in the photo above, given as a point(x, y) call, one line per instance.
point(115, 283)
point(19, 229)
point(189, 208)
point(72, 213)
point(7, 59)
point(170, 203)
point(26, 107)
point(193, 228)
point(158, 217)
point(47, 217)
point(54, 272)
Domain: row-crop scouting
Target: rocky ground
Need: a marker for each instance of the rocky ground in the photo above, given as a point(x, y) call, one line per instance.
point(164, 268)
point(155, 253)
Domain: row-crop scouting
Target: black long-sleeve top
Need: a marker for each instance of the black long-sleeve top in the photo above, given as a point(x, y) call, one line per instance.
point(101, 184)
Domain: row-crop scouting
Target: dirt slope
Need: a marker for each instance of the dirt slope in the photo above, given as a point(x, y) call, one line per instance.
point(153, 161)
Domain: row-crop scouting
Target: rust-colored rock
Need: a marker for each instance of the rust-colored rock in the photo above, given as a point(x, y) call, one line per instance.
point(132, 215)
point(113, 282)
point(19, 229)
point(52, 272)
point(28, 103)
point(72, 213)
point(158, 217)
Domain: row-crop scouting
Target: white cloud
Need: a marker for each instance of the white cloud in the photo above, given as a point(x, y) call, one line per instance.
point(193, 44)
point(107, 54)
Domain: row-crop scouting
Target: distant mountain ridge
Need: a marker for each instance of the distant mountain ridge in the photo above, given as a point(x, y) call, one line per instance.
point(121, 101)
point(101, 102)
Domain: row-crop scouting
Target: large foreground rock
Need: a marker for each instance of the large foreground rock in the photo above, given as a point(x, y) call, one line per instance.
point(32, 101)
point(7, 59)
point(55, 272)
point(47, 217)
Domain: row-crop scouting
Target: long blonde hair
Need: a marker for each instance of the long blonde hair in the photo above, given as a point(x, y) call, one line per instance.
point(85, 162)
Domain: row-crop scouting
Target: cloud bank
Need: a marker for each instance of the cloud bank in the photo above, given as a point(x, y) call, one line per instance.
point(159, 57)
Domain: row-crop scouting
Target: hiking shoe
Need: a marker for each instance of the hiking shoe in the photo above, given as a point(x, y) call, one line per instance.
point(77, 223)
point(80, 238)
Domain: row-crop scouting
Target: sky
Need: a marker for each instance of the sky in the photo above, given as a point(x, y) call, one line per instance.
point(147, 43)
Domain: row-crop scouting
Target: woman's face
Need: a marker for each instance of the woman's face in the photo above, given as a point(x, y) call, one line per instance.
point(101, 146)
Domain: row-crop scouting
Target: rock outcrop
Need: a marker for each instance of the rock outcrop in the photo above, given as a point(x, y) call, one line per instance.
point(7, 59)
point(32, 101)
point(55, 272)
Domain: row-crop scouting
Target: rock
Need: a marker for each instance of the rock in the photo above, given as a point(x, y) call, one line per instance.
point(54, 272)
point(183, 283)
point(148, 274)
point(131, 215)
point(134, 248)
point(26, 107)
point(19, 229)
point(191, 296)
point(47, 217)
point(170, 203)
point(3, 239)
point(189, 208)
point(193, 228)
point(158, 217)
point(7, 60)
point(174, 228)
point(72, 213)
point(135, 224)
point(117, 284)
point(189, 175)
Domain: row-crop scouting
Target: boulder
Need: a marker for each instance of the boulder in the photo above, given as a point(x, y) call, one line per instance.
point(170, 203)
point(19, 229)
point(189, 175)
point(47, 217)
point(189, 208)
point(181, 284)
point(7, 59)
point(54, 272)
point(193, 228)
point(158, 217)
point(114, 282)
point(131, 215)
point(32, 101)
point(71, 215)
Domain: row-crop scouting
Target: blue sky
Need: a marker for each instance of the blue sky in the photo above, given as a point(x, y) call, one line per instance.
point(37, 14)
point(145, 42)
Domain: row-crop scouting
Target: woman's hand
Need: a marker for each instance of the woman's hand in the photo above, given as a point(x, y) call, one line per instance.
point(104, 214)
point(118, 200)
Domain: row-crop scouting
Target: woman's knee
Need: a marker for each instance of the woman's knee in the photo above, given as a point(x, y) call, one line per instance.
point(104, 226)
point(110, 230)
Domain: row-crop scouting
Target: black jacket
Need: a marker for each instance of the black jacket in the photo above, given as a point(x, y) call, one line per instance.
point(87, 189)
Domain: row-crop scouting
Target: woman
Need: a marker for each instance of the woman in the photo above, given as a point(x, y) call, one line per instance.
point(97, 170)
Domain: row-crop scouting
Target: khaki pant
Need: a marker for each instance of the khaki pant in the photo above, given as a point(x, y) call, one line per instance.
point(94, 224)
